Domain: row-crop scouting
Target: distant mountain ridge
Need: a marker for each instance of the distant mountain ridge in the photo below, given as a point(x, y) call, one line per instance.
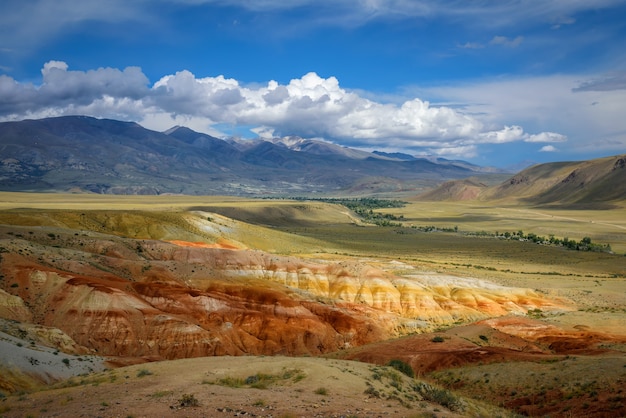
point(578, 183)
point(85, 154)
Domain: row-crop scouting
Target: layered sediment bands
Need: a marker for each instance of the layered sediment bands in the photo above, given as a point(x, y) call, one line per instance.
point(123, 297)
point(12, 307)
point(579, 340)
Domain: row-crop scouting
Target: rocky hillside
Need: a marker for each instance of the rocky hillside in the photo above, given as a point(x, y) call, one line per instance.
point(149, 298)
point(590, 182)
point(83, 154)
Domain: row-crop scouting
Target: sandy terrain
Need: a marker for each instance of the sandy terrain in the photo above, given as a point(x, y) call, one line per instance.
point(289, 387)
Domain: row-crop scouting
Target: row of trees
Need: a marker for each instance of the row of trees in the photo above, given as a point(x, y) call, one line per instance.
point(364, 207)
point(584, 244)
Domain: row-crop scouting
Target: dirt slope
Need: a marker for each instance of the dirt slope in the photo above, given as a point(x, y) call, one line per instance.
point(246, 386)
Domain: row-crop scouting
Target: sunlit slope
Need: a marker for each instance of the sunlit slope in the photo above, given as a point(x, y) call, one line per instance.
point(455, 190)
point(594, 182)
point(191, 226)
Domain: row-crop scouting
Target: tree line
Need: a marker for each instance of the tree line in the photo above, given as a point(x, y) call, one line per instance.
point(364, 207)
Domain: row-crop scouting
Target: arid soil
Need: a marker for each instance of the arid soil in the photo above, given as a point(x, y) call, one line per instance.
point(244, 386)
point(125, 291)
point(526, 365)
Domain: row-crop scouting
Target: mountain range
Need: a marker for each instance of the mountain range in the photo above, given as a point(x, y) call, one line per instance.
point(84, 154)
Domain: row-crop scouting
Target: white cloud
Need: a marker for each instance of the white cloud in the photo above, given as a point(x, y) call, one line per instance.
point(548, 148)
point(508, 134)
point(471, 45)
point(310, 106)
point(507, 42)
point(546, 137)
point(552, 108)
point(51, 65)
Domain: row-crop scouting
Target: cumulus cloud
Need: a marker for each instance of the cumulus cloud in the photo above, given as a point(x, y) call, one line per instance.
point(310, 106)
point(548, 148)
point(63, 90)
point(546, 137)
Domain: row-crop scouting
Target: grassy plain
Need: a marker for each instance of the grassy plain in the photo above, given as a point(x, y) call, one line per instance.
point(606, 226)
point(324, 230)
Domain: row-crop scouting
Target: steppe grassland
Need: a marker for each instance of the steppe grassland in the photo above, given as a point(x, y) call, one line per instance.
point(14, 200)
point(166, 218)
point(604, 226)
point(317, 227)
point(327, 231)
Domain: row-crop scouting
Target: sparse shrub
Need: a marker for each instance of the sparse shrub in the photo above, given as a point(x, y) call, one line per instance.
point(143, 372)
point(321, 391)
point(251, 380)
point(232, 382)
point(402, 367)
point(483, 337)
point(188, 400)
point(260, 380)
point(443, 397)
point(66, 361)
point(377, 376)
point(372, 392)
point(437, 339)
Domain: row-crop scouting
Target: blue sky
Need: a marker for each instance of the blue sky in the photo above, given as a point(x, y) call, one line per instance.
point(494, 82)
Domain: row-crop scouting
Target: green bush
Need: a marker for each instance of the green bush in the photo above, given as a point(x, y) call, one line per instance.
point(402, 367)
point(442, 397)
point(321, 391)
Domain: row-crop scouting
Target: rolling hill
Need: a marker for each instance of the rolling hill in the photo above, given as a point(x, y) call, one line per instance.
point(594, 182)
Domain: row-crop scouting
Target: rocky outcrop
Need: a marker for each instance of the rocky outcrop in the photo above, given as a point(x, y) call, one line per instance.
point(146, 298)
